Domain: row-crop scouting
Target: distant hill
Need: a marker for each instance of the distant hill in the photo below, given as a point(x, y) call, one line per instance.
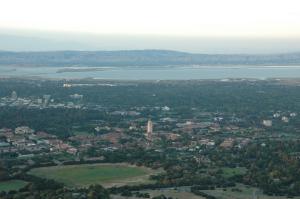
point(140, 58)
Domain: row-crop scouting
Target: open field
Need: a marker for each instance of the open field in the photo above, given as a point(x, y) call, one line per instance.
point(230, 172)
point(180, 193)
point(105, 174)
point(12, 185)
point(174, 194)
point(245, 192)
point(167, 192)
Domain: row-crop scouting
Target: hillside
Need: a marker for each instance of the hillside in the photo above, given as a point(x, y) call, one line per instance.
point(140, 58)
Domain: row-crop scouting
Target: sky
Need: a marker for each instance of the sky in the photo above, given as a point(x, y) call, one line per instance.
point(204, 20)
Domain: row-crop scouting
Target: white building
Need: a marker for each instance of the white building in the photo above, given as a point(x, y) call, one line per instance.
point(293, 114)
point(165, 108)
point(276, 115)
point(76, 96)
point(23, 130)
point(285, 119)
point(267, 123)
point(67, 85)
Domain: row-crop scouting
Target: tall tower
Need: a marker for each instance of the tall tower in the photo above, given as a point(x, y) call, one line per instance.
point(149, 130)
point(14, 95)
point(46, 99)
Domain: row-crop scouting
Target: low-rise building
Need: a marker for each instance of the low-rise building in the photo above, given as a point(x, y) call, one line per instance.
point(267, 123)
point(227, 143)
point(23, 130)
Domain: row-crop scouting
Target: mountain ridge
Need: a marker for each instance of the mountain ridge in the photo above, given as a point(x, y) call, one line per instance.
point(147, 57)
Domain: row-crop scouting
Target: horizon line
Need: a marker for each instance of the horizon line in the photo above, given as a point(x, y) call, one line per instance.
point(148, 49)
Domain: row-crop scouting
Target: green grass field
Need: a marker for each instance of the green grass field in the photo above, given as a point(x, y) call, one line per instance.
point(105, 174)
point(12, 185)
point(229, 172)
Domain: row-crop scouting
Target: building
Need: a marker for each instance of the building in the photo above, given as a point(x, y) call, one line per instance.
point(293, 114)
point(285, 119)
point(165, 108)
point(276, 115)
point(267, 123)
point(67, 85)
point(227, 143)
point(206, 142)
point(172, 136)
point(76, 96)
point(23, 130)
point(39, 101)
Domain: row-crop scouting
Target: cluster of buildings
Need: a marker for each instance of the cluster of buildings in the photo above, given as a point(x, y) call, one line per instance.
point(198, 133)
point(180, 133)
point(284, 117)
point(25, 141)
point(46, 101)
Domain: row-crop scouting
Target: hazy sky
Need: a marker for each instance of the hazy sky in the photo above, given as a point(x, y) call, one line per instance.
point(170, 17)
point(245, 19)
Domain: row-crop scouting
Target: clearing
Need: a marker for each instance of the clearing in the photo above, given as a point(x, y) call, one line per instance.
point(107, 175)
